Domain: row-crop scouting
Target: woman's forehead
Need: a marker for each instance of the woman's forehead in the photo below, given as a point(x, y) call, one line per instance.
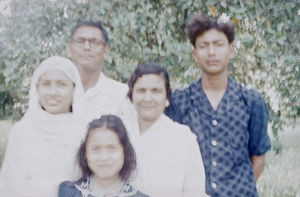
point(150, 80)
point(54, 74)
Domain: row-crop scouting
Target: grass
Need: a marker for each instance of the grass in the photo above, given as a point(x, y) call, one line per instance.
point(280, 178)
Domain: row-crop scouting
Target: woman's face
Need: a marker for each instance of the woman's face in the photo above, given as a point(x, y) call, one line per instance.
point(105, 154)
point(149, 97)
point(55, 91)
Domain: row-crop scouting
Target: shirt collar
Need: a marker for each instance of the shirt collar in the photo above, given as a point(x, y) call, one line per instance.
point(98, 87)
point(231, 95)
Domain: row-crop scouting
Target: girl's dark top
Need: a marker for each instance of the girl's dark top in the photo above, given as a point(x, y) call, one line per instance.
point(84, 189)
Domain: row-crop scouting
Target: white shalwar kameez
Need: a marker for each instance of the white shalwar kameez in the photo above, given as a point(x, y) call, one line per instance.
point(169, 159)
point(42, 147)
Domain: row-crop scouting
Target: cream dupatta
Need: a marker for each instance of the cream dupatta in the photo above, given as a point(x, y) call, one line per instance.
point(42, 147)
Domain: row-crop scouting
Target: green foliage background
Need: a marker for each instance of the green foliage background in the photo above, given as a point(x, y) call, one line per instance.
point(267, 33)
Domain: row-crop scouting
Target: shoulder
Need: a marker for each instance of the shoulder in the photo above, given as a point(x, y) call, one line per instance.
point(140, 194)
point(67, 189)
point(252, 96)
point(254, 100)
point(128, 190)
point(115, 87)
point(115, 82)
point(67, 185)
point(181, 140)
point(179, 131)
point(183, 93)
point(20, 129)
point(183, 98)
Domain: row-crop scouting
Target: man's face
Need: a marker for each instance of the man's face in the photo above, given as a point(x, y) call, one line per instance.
point(213, 52)
point(88, 48)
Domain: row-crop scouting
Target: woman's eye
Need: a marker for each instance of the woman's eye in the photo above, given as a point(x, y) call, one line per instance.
point(156, 90)
point(220, 44)
point(140, 90)
point(95, 149)
point(112, 148)
point(45, 84)
point(62, 84)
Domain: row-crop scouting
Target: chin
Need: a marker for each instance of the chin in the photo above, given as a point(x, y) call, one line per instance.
point(56, 111)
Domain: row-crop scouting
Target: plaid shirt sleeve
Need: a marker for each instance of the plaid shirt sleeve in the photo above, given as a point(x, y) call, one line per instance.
point(178, 105)
point(259, 142)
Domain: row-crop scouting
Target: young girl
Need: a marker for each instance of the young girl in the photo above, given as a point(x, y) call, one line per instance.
point(107, 161)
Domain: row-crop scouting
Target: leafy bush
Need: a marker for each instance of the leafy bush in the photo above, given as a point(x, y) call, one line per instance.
point(267, 52)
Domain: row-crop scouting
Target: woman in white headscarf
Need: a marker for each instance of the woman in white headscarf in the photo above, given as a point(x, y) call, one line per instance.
point(42, 145)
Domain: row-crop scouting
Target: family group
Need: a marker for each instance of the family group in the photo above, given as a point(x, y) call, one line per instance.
point(87, 135)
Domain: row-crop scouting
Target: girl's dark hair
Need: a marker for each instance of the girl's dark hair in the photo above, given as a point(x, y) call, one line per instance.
point(149, 68)
point(97, 24)
point(201, 23)
point(115, 124)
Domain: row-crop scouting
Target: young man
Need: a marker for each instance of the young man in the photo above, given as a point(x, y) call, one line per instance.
point(229, 120)
point(88, 48)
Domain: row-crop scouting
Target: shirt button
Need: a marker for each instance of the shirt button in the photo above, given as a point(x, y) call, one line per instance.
point(214, 163)
point(214, 142)
point(214, 122)
point(213, 185)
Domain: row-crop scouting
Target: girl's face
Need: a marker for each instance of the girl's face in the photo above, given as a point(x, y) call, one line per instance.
point(105, 154)
point(55, 91)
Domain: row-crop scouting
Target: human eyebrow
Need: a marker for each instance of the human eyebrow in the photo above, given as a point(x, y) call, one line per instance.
point(219, 41)
point(140, 89)
point(95, 147)
point(44, 82)
point(111, 146)
point(79, 39)
point(157, 89)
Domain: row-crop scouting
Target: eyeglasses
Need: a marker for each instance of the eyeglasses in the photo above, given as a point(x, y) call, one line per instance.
point(93, 43)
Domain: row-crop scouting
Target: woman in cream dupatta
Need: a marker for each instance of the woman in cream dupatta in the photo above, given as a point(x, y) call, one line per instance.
point(42, 146)
point(169, 159)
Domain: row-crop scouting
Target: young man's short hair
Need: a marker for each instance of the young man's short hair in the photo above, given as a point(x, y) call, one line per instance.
point(201, 23)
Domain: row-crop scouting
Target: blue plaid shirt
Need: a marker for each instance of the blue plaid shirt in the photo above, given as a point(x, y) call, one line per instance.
point(227, 136)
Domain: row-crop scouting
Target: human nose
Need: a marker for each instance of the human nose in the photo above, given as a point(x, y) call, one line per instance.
point(52, 90)
point(148, 96)
point(87, 44)
point(211, 50)
point(103, 155)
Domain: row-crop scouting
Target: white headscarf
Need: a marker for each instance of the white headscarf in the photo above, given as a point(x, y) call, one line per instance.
point(67, 67)
point(42, 147)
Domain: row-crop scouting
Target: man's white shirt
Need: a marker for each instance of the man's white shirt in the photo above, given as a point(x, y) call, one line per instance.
point(108, 96)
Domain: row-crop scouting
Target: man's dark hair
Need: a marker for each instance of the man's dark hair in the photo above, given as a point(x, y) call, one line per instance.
point(149, 68)
point(201, 23)
point(92, 24)
point(115, 124)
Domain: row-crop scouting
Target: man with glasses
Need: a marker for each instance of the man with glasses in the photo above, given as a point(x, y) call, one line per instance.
point(88, 48)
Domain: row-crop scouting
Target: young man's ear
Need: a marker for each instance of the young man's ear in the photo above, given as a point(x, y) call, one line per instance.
point(194, 53)
point(232, 51)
